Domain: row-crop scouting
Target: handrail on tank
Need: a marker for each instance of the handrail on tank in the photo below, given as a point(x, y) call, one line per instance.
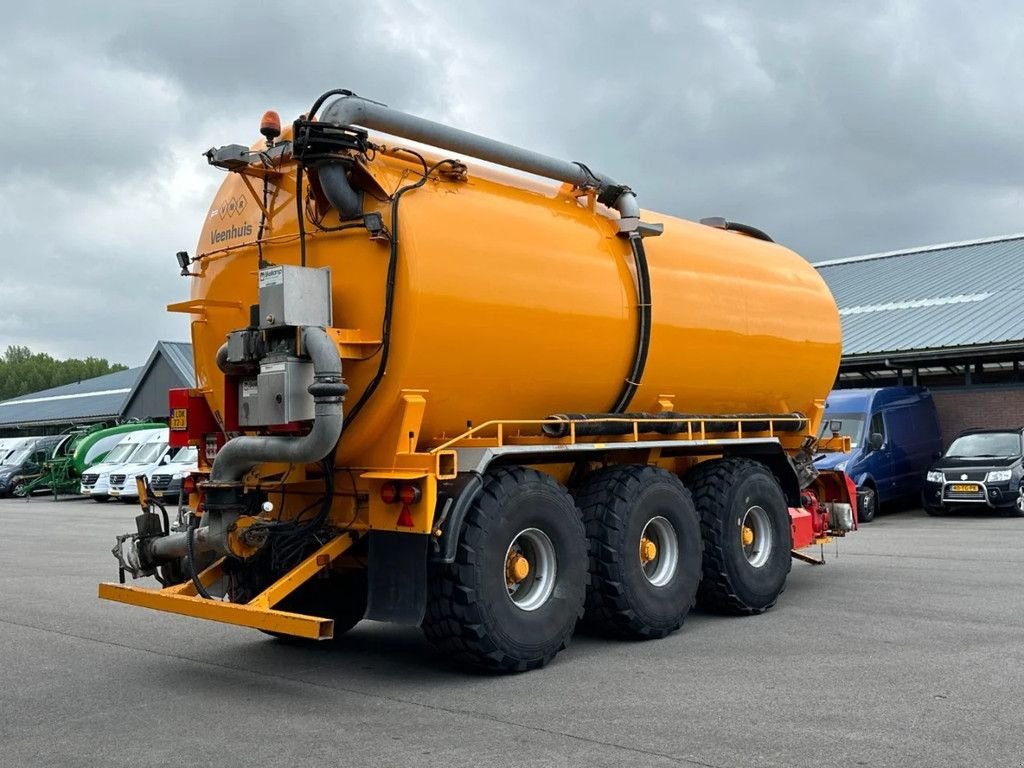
point(700, 421)
point(356, 111)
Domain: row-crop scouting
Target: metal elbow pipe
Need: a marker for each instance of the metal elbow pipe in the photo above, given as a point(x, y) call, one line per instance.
point(241, 454)
point(232, 369)
point(352, 110)
point(339, 193)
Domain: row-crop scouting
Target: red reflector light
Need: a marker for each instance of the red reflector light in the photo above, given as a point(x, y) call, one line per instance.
point(409, 494)
point(389, 493)
point(188, 485)
point(405, 518)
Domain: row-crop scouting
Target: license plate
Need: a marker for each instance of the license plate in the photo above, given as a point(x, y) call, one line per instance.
point(158, 494)
point(965, 488)
point(179, 419)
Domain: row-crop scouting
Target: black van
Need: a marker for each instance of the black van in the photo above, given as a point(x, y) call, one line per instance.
point(25, 463)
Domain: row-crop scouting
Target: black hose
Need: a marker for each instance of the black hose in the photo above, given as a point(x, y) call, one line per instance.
point(324, 97)
point(190, 551)
point(718, 222)
point(263, 225)
point(643, 326)
point(300, 213)
point(389, 294)
point(668, 423)
point(746, 229)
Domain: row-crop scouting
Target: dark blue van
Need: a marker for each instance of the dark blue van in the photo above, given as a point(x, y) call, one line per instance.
point(894, 438)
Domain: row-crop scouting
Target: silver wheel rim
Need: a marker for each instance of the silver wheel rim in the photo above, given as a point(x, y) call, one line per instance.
point(533, 591)
point(662, 567)
point(759, 548)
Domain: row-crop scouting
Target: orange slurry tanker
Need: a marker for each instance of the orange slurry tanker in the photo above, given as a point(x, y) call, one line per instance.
point(489, 398)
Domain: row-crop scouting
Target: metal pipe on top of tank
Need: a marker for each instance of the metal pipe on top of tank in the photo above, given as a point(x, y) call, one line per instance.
point(353, 110)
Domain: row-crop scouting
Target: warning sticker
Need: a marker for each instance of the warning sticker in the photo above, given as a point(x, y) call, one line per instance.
point(249, 388)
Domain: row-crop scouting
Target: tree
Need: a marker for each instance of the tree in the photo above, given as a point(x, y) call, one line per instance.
point(23, 372)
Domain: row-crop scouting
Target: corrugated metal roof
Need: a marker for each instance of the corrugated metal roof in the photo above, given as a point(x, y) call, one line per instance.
point(89, 400)
point(104, 397)
point(934, 297)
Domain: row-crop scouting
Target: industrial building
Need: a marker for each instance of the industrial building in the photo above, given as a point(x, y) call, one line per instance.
point(138, 393)
point(949, 317)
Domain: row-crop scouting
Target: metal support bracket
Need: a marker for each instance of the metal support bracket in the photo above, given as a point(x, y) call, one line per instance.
point(807, 558)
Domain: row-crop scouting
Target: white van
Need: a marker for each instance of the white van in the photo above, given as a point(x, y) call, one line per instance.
point(166, 482)
point(6, 446)
point(11, 445)
point(150, 456)
point(96, 481)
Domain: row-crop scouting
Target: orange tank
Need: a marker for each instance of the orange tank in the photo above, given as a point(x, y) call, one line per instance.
point(515, 299)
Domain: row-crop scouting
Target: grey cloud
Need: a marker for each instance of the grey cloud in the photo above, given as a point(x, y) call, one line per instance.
point(840, 128)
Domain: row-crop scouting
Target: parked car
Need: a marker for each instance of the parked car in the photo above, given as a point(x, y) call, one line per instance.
point(153, 453)
point(96, 481)
point(166, 481)
point(24, 463)
point(981, 469)
point(894, 437)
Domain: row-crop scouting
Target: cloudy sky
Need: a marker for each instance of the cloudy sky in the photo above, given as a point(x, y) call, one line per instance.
point(840, 128)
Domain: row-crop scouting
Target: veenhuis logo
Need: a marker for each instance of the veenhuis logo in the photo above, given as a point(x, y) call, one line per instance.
point(228, 209)
point(220, 235)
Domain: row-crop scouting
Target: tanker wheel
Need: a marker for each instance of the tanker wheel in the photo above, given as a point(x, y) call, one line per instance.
point(747, 536)
point(512, 598)
point(645, 551)
point(340, 596)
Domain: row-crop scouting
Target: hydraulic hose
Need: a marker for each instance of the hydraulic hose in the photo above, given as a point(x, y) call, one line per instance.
point(389, 290)
point(191, 555)
point(643, 325)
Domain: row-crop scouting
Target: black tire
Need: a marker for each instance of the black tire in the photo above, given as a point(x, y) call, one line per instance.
point(340, 596)
point(867, 506)
point(726, 492)
point(626, 596)
point(934, 511)
point(18, 487)
point(471, 616)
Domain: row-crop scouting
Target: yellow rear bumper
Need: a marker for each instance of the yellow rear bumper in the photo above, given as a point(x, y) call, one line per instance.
point(258, 613)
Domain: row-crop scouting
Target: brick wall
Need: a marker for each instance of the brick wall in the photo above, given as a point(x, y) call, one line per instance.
point(961, 409)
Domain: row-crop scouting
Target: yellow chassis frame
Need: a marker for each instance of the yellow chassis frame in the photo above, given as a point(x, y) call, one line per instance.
point(258, 613)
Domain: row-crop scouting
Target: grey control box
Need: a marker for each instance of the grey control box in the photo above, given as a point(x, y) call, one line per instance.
point(295, 296)
point(278, 395)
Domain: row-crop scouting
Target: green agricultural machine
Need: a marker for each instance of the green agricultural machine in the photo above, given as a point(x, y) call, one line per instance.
point(80, 449)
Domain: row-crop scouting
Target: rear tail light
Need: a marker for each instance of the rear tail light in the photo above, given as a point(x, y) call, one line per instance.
point(188, 485)
point(389, 493)
point(405, 494)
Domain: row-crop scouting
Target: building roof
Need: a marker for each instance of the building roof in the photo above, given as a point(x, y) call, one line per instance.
point(954, 295)
point(97, 399)
point(179, 355)
point(89, 400)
